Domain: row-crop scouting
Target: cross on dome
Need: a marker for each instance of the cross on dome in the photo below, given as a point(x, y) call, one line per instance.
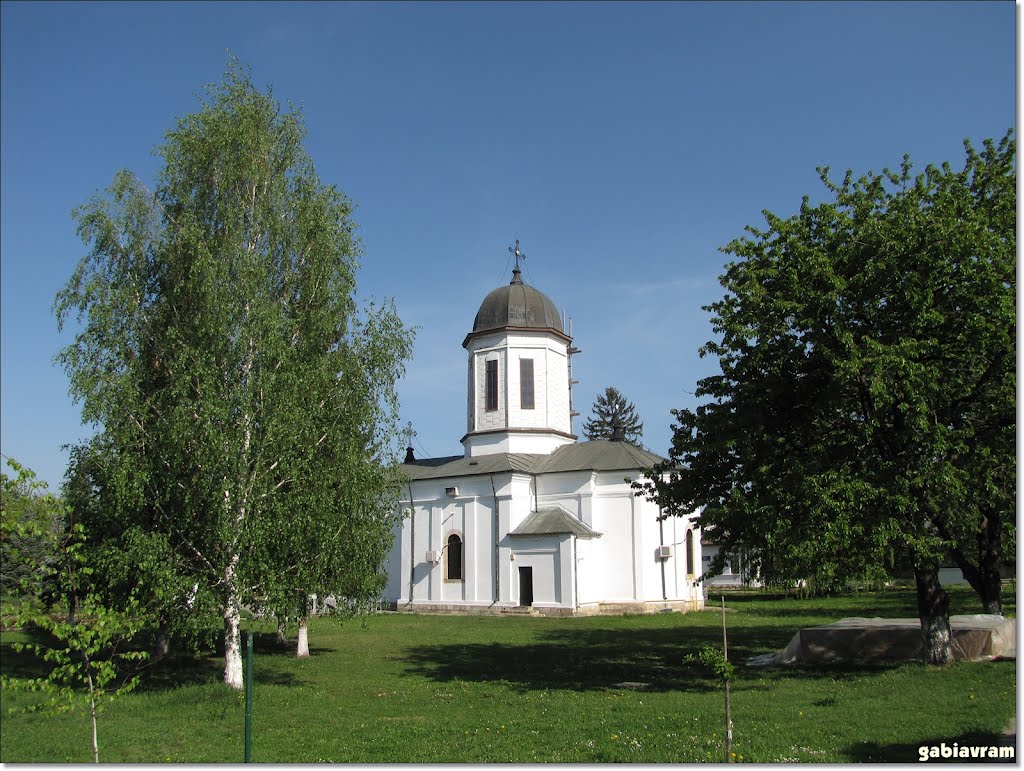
point(516, 273)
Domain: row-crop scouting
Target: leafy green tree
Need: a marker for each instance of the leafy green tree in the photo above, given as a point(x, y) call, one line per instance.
point(222, 351)
point(32, 522)
point(614, 418)
point(132, 558)
point(91, 645)
point(865, 411)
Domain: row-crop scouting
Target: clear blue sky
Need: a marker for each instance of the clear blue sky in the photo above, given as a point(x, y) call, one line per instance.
point(623, 144)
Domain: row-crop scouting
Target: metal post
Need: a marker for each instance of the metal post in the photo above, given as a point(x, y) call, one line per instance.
point(248, 699)
point(728, 710)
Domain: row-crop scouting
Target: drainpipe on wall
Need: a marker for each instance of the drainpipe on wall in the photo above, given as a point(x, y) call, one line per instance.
point(661, 541)
point(497, 535)
point(575, 575)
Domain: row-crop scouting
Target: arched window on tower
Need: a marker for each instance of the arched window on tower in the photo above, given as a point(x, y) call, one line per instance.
point(689, 552)
point(453, 561)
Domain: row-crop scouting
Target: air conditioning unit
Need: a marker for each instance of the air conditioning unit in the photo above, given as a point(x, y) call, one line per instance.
point(433, 557)
point(451, 492)
point(664, 552)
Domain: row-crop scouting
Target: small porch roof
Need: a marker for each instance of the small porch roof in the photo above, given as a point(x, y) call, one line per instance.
point(554, 520)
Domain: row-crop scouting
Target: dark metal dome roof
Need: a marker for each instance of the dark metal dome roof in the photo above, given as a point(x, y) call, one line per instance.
point(517, 305)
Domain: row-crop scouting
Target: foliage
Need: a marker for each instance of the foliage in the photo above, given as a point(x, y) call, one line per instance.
point(865, 410)
point(32, 520)
point(89, 642)
point(714, 660)
point(445, 689)
point(245, 400)
point(90, 654)
point(131, 559)
point(613, 418)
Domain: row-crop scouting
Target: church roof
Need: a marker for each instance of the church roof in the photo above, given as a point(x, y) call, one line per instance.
point(461, 466)
point(554, 520)
point(516, 306)
point(595, 455)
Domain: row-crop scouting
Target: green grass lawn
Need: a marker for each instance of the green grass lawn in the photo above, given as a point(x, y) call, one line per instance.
point(446, 689)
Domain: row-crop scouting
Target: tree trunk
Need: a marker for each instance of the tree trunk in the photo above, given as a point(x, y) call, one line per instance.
point(72, 607)
point(984, 576)
point(303, 647)
point(282, 635)
point(986, 582)
point(232, 628)
point(163, 643)
point(933, 610)
point(92, 714)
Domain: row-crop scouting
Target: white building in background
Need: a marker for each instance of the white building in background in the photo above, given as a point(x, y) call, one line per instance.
point(528, 517)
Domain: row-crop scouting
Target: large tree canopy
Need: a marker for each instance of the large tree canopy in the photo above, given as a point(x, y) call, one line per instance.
point(245, 400)
point(865, 411)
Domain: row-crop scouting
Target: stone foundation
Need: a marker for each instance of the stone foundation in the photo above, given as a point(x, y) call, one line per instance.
point(588, 609)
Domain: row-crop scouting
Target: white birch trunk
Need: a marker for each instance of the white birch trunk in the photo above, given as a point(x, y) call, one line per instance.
point(303, 648)
point(92, 714)
point(232, 628)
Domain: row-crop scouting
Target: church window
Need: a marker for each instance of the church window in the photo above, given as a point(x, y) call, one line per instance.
point(526, 384)
point(491, 386)
point(453, 563)
point(689, 552)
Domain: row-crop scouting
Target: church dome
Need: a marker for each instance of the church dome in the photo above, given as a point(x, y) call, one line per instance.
point(517, 305)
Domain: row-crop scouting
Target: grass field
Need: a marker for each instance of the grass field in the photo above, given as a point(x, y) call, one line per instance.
point(445, 689)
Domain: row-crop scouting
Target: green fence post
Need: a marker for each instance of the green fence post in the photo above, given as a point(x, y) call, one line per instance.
point(248, 699)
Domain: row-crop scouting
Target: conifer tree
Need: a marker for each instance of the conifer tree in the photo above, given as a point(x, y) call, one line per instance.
point(614, 418)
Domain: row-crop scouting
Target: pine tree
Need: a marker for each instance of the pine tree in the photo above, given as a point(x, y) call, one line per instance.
point(614, 418)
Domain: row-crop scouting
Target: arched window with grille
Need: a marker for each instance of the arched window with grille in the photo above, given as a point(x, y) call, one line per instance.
point(453, 561)
point(689, 553)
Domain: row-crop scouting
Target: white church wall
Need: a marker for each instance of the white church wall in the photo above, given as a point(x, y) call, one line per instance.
point(551, 376)
point(544, 555)
point(437, 516)
point(393, 566)
point(620, 566)
point(614, 550)
point(490, 419)
point(588, 571)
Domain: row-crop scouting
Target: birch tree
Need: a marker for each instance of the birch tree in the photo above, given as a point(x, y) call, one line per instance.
point(865, 412)
point(218, 331)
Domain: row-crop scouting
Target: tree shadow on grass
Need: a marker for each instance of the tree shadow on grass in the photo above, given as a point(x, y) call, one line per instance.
point(891, 603)
point(589, 659)
point(23, 665)
point(200, 668)
point(165, 673)
point(835, 608)
point(872, 752)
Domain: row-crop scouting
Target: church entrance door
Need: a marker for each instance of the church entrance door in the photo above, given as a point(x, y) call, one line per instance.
point(525, 587)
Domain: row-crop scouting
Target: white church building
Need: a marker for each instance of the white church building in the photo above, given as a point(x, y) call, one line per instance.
point(528, 517)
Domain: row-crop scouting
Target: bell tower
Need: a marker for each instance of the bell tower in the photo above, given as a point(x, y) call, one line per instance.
point(518, 373)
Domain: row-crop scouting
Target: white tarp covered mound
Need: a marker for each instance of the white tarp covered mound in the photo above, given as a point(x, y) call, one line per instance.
point(894, 639)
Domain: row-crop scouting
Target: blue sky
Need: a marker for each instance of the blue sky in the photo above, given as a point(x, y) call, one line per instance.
point(622, 144)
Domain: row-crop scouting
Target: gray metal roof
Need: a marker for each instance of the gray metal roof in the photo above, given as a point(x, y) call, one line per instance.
point(554, 520)
point(595, 455)
point(460, 466)
point(517, 305)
